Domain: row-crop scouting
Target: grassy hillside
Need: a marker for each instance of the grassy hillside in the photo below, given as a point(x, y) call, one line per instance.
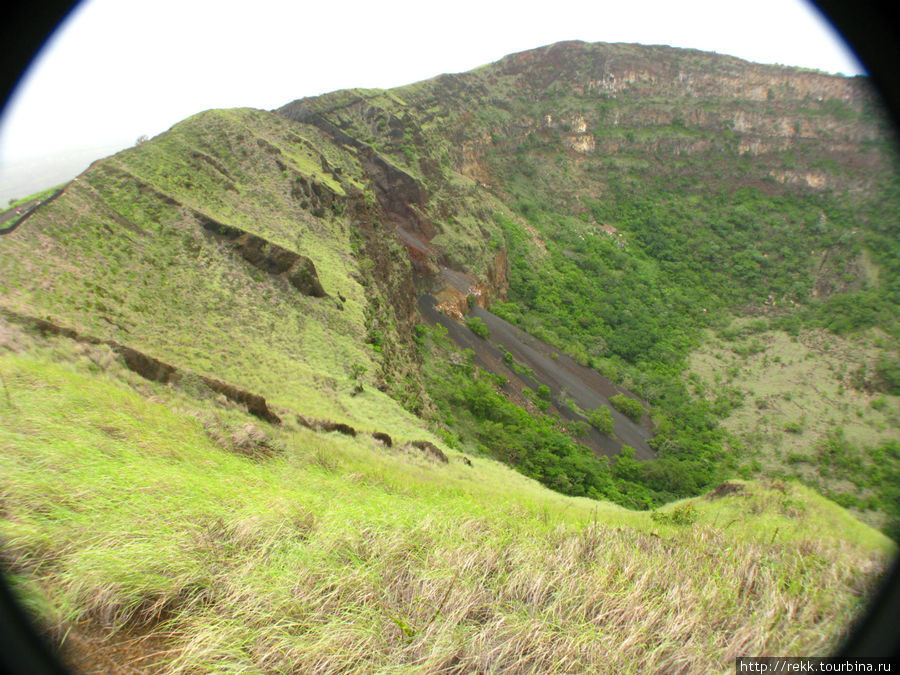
point(808, 406)
point(149, 527)
point(133, 251)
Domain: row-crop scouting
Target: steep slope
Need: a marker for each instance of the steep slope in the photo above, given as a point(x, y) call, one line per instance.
point(300, 232)
point(236, 247)
point(527, 364)
point(585, 141)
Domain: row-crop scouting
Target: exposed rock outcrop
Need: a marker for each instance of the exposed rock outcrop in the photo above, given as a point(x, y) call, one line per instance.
point(299, 270)
point(429, 450)
point(150, 367)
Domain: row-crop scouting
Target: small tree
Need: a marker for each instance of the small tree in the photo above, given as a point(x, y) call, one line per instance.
point(477, 326)
point(601, 419)
point(628, 406)
point(579, 428)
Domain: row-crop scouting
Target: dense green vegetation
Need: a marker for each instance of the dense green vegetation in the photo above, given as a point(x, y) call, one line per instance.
point(633, 304)
point(877, 470)
point(470, 404)
point(628, 406)
point(473, 411)
point(601, 420)
point(476, 325)
point(681, 260)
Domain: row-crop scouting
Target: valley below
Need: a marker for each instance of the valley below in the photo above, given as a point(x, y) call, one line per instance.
point(566, 379)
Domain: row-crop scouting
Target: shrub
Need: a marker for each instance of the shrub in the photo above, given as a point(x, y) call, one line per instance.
point(680, 515)
point(579, 428)
point(601, 419)
point(477, 326)
point(889, 370)
point(793, 428)
point(628, 406)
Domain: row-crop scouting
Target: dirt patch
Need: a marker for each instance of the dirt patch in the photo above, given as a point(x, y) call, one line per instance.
point(12, 338)
point(251, 440)
point(339, 427)
point(430, 450)
point(90, 650)
point(329, 426)
point(147, 366)
point(256, 404)
point(725, 489)
point(304, 421)
point(383, 438)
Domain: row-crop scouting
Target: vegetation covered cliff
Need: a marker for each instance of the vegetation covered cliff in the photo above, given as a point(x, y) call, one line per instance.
point(643, 195)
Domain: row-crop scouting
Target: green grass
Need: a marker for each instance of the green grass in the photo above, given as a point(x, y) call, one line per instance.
point(146, 282)
point(128, 505)
point(795, 393)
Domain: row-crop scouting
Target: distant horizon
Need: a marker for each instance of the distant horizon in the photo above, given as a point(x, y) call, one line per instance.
point(23, 177)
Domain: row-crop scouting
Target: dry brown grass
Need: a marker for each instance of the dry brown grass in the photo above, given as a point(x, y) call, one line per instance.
point(598, 600)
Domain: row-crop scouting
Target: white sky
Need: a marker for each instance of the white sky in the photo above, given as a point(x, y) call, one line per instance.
point(121, 68)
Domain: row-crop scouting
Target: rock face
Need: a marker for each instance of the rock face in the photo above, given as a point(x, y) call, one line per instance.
point(269, 257)
point(302, 276)
point(400, 195)
point(152, 368)
point(471, 162)
point(648, 106)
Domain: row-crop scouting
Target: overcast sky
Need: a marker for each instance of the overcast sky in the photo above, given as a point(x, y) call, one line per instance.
point(118, 69)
